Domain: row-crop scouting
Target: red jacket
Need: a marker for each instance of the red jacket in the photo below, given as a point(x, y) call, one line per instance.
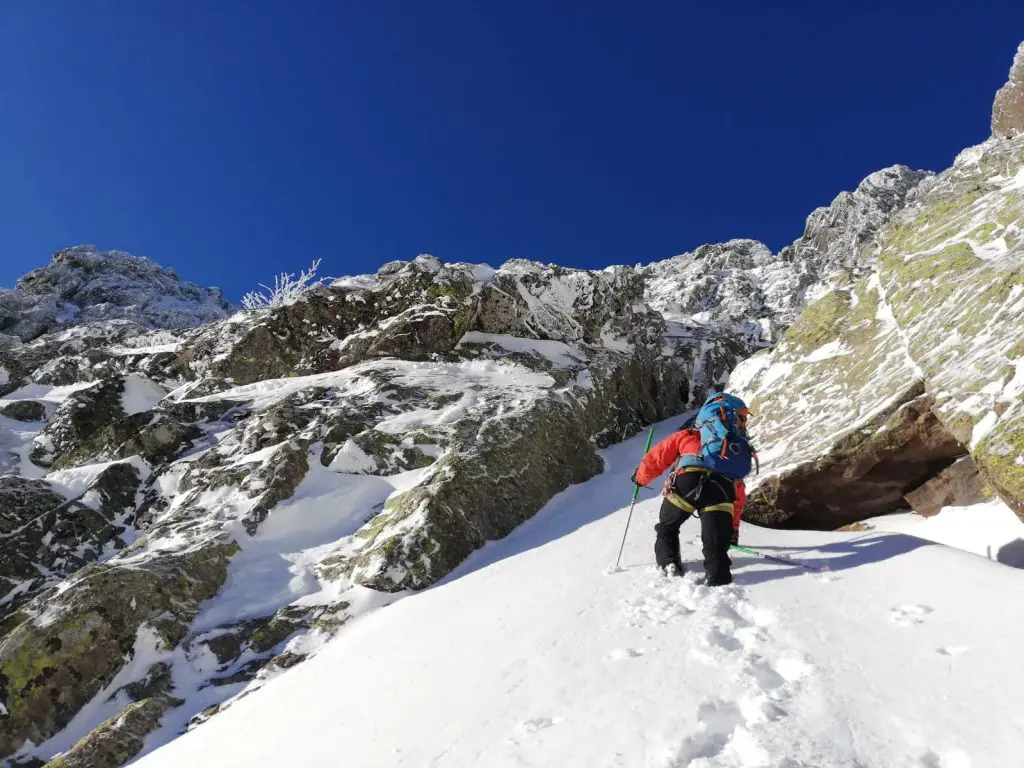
point(664, 455)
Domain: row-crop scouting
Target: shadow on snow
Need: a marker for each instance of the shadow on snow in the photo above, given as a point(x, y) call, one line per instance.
point(838, 556)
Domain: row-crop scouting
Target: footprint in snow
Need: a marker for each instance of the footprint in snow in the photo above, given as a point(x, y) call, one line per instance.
point(722, 738)
point(716, 638)
point(793, 669)
point(538, 724)
point(909, 615)
point(951, 759)
point(759, 708)
point(620, 654)
point(764, 675)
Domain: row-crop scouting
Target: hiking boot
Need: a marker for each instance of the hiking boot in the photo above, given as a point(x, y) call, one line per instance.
point(673, 570)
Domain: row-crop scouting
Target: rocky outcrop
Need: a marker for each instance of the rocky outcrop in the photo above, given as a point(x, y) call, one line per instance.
point(1008, 108)
point(842, 237)
point(45, 536)
point(865, 474)
point(24, 410)
point(959, 485)
point(953, 269)
point(939, 315)
point(414, 310)
point(82, 285)
point(119, 739)
point(92, 423)
point(50, 668)
point(736, 290)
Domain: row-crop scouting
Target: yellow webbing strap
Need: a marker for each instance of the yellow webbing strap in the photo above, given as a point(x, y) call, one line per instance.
point(677, 500)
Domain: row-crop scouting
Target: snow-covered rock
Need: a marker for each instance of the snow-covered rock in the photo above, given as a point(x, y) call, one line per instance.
point(374, 432)
point(741, 291)
point(842, 237)
point(1008, 108)
point(737, 290)
point(887, 378)
point(82, 285)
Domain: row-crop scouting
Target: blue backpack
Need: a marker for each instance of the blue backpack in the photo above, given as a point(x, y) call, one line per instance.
point(724, 445)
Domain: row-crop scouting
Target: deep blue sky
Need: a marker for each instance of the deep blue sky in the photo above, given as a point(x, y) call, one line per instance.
point(232, 139)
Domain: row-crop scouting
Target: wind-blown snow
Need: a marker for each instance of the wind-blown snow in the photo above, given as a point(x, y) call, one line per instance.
point(454, 377)
point(826, 352)
point(140, 394)
point(45, 393)
point(559, 353)
point(533, 653)
point(983, 428)
point(15, 444)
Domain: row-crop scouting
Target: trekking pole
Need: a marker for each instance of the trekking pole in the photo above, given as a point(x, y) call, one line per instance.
point(774, 559)
point(636, 492)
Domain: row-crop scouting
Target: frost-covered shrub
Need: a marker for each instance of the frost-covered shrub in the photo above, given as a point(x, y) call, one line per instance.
point(286, 290)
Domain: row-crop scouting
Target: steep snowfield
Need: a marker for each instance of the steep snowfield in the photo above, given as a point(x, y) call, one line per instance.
point(534, 653)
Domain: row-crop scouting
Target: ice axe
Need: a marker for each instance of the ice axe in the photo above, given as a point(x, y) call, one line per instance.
point(774, 559)
point(636, 492)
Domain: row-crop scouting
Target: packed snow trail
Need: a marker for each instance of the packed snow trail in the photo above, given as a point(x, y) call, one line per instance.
point(534, 653)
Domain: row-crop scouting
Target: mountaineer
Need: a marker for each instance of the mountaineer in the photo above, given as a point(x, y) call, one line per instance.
point(710, 455)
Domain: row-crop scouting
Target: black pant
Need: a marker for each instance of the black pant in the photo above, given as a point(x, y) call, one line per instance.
point(701, 490)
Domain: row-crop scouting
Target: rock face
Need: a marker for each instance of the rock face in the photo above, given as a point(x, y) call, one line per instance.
point(50, 669)
point(935, 324)
point(1008, 109)
point(47, 536)
point(742, 292)
point(736, 290)
point(957, 486)
point(118, 739)
point(843, 236)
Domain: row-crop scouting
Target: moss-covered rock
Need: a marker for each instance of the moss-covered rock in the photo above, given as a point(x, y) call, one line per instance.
point(475, 496)
point(821, 322)
point(54, 663)
point(941, 317)
point(118, 739)
point(24, 410)
point(413, 310)
point(496, 473)
point(959, 304)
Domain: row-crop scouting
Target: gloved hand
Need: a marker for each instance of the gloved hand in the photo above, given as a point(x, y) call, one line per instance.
point(734, 540)
point(633, 477)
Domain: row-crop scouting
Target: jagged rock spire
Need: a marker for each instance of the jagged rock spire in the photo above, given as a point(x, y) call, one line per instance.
point(1008, 109)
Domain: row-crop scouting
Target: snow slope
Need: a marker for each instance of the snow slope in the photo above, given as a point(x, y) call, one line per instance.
point(534, 653)
point(990, 529)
